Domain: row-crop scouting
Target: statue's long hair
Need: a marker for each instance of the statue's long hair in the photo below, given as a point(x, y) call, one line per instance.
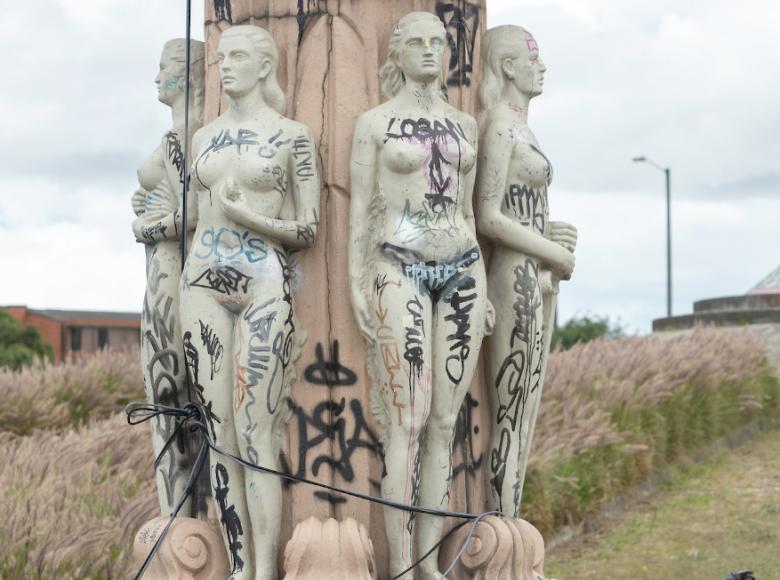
point(176, 48)
point(498, 44)
point(391, 77)
point(265, 47)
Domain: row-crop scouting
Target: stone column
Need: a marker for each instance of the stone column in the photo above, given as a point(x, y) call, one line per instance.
point(330, 52)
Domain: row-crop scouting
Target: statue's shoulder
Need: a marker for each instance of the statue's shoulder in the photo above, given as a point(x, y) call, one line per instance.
point(295, 127)
point(466, 121)
point(373, 120)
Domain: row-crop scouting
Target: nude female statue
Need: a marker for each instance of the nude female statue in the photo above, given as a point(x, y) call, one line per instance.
point(417, 277)
point(250, 166)
point(530, 254)
point(158, 225)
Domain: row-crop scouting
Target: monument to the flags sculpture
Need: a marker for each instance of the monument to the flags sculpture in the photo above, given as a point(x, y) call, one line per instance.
point(335, 299)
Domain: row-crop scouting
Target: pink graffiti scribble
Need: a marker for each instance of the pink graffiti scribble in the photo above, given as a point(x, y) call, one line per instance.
point(530, 41)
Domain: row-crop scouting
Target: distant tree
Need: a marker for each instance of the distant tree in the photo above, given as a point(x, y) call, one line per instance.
point(20, 347)
point(585, 329)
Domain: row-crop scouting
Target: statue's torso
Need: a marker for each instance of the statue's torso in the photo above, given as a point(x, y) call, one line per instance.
point(422, 167)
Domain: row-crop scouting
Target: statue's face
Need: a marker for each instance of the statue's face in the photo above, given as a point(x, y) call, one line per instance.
point(170, 79)
point(420, 55)
point(239, 66)
point(529, 67)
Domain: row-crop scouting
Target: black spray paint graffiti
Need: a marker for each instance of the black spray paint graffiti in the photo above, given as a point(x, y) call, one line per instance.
point(330, 373)
point(459, 341)
point(260, 355)
point(222, 279)
point(305, 10)
point(461, 20)
point(192, 365)
point(515, 381)
point(463, 442)
point(306, 232)
point(162, 367)
point(245, 138)
point(413, 343)
point(303, 153)
point(438, 280)
point(328, 423)
point(528, 204)
point(229, 518)
point(223, 10)
point(437, 213)
point(154, 232)
point(213, 347)
point(175, 154)
point(415, 490)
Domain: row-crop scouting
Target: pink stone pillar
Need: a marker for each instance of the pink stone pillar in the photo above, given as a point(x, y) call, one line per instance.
point(330, 52)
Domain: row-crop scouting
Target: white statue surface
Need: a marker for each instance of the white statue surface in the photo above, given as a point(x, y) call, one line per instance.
point(255, 190)
point(417, 278)
point(158, 225)
point(530, 254)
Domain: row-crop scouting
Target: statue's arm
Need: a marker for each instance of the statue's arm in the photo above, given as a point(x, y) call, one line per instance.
point(162, 218)
point(362, 184)
point(295, 234)
point(471, 177)
point(494, 162)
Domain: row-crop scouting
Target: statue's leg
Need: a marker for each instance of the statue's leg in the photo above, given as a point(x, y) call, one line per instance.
point(263, 342)
point(208, 337)
point(514, 368)
point(458, 329)
point(401, 359)
point(163, 370)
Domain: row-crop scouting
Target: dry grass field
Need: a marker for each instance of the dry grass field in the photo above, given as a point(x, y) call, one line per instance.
point(77, 480)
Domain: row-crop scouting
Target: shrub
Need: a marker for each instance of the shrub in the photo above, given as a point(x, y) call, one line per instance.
point(21, 347)
point(52, 396)
point(585, 329)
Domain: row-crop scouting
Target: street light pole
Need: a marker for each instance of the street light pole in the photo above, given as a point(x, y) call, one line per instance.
point(668, 173)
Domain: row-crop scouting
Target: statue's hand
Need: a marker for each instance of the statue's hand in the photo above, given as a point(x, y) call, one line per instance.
point(139, 225)
point(160, 202)
point(139, 201)
point(563, 234)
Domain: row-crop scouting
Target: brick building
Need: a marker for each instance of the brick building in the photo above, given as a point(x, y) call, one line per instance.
point(74, 331)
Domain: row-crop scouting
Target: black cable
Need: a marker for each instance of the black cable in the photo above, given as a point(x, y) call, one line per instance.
point(191, 416)
point(185, 161)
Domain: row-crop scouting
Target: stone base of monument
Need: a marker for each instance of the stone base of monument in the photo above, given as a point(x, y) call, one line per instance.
point(329, 550)
point(510, 549)
point(192, 550)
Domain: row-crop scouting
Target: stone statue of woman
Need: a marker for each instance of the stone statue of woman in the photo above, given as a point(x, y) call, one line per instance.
point(417, 277)
point(530, 254)
point(158, 225)
point(252, 167)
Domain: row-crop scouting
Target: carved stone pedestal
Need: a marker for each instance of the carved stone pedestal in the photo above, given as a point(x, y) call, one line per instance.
point(505, 548)
point(192, 550)
point(329, 550)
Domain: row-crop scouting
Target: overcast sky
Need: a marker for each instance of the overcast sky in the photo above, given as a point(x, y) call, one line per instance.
point(691, 84)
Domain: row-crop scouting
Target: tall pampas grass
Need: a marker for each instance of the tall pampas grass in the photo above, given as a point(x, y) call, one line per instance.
point(616, 411)
point(72, 501)
point(58, 396)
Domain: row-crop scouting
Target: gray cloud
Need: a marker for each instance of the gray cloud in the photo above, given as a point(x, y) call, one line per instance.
point(691, 84)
